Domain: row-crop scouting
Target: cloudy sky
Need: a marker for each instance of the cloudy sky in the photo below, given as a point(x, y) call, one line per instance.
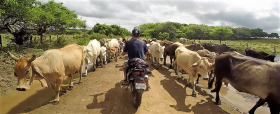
point(263, 14)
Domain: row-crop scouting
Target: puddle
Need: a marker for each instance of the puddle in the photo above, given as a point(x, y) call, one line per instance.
point(24, 101)
point(239, 100)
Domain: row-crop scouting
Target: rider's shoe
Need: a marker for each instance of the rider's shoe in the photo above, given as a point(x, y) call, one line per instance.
point(124, 82)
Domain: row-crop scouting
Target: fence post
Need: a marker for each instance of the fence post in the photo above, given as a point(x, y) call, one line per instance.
point(1, 41)
point(50, 38)
point(57, 39)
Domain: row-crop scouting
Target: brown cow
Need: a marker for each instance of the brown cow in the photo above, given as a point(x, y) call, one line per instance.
point(260, 54)
point(103, 41)
point(194, 47)
point(217, 48)
point(170, 51)
point(50, 68)
point(250, 75)
point(160, 42)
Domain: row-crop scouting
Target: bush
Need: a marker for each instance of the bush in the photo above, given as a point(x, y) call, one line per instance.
point(97, 36)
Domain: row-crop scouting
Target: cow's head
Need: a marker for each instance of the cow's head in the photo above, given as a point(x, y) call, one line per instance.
point(22, 71)
point(112, 51)
point(203, 66)
point(269, 57)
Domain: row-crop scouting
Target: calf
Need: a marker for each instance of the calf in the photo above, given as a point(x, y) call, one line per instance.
point(156, 51)
point(250, 75)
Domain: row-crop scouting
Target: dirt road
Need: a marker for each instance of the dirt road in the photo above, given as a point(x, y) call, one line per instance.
point(101, 92)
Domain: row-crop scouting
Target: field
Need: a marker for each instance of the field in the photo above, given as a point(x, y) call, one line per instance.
point(8, 81)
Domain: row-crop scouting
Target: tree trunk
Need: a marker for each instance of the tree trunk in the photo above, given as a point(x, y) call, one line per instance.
point(41, 38)
point(0, 41)
point(220, 41)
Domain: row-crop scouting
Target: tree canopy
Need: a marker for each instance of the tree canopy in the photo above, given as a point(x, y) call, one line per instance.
point(200, 31)
point(110, 30)
point(19, 16)
point(221, 33)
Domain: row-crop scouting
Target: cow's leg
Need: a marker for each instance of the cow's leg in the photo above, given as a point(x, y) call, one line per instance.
point(177, 70)
point(258, 104)
point(157, 62)
point(81, 74)
point(164, 57)
point(57, 89)
point(94, 63)
point(193, 84)
point(273, 106)
point(71, 85)
point(197, 80)
point(171, 62)
point(217, 89)
point(101, 60)
point(210, 78)
point(85, 73)
point(152, 61)
point(116, 58)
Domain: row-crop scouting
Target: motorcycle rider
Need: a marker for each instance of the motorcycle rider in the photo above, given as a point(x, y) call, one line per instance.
point(136, 49)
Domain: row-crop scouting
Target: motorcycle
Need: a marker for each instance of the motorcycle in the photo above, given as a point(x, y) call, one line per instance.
point(136, 79)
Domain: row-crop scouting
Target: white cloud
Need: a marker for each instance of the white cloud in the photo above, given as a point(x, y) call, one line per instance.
point(264, 14)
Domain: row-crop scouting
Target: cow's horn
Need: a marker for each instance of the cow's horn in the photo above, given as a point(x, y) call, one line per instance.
point(33, 58)
point(13, 57)
point(274, 51)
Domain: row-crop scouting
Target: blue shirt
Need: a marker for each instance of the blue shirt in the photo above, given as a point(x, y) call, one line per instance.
point(135, 48)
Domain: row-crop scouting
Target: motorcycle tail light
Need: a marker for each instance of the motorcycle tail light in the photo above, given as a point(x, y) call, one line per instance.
point(140, 81)
point(137, 73)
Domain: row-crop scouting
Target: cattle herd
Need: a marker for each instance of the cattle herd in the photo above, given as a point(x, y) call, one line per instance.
point(255, 73)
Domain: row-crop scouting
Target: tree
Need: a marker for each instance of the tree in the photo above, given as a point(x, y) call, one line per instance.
point(14, 17)
point(54, 16)
point(221, 33)
point(273, 35)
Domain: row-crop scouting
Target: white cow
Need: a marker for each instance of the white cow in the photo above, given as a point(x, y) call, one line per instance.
point(148, 56)
point(192, 63)
point(183, 40)
point(121, 46)
point(206, 53)
point(91, 52)
point(103, 55)
point(112, 49)
point(156, 51)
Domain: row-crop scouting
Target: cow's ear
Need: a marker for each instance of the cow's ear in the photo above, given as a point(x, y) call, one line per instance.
point(41, 77)
point(212, 66)
point(195, 65)
point(90, 53)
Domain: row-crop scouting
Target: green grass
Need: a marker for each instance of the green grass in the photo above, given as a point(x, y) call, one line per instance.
point(265, 45)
